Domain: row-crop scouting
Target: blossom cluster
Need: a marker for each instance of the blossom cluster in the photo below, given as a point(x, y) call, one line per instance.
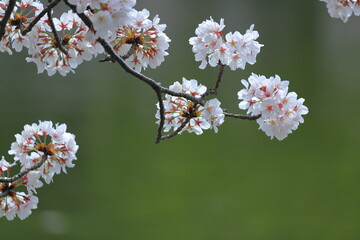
point(42, 144)
point(281, 112)
point(343, 9)
point(46, 53)
point(106, 15)
point(147, 36)
point(63, 47)
point(235, 50)
point(24, 12)
point(178, 110)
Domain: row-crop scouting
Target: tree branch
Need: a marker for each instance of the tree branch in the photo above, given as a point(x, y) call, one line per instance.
point(218, 81)
point(174, 133)
point(241, 116)
point(162, 117)
point(26, 171)
point(6, 17)
point(131, 51)
point(57, 38)
point(128, 54)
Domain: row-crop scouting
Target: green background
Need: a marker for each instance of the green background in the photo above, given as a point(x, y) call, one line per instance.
point(236, 184)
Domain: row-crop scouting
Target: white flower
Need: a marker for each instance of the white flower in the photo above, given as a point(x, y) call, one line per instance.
point(342, 9)
point(221, 54)
point(235, 50)
point(24, 12)
point(28, 203)
point(213, 113)
point(281, 112)
point(81, 5)
point(44, 49)
point(210, 26)
point(42, 139)
point(356, 7)
point(139, 19)
point(32, 181)
point(148, 38)
point(7, 208)
point(103, 23)
point(4, 165)
point(37, 142)
point(107, 15)
point(19, 204)
point(178, 110)
point(248, 48)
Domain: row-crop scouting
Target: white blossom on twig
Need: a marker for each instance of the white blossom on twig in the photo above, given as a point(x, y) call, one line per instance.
point(281, 112)
point(235, 50)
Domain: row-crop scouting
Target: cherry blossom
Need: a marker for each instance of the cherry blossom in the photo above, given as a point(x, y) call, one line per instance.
point(356, 7)
point(41, 139)
point(42, 151)
point(46, 53)
point(235, 50)
point(281, 112)
point(5, 166)
point(150, 42)
point(17, 204)
point(343, 9)
point(24, 12)
point(106, 15)
point(179, 110)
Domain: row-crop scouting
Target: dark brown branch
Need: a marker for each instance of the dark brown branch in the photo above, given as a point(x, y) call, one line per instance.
point(51, 5)
point(57, 38)
point(128, 54)
point(152, 83)
point(241, 116)
point(131, 51)
point(6, 17)
point(26, 171)
point(218, 81)
point(184, 95)
point(162, 117)
point(181, 127)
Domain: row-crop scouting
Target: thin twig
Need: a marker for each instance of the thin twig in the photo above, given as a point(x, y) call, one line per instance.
point(57, 38)
point(241, 116)
point(51, 5)
point(131, 51)
point(6, 17)
point(176, 131)
point(26, 171)
point(155, 85)
point(162, 117)
point(195, 100)
point(218, 81)
point(108, 58)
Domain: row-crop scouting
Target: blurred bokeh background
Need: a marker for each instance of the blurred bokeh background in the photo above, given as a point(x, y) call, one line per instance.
point(236, 184)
